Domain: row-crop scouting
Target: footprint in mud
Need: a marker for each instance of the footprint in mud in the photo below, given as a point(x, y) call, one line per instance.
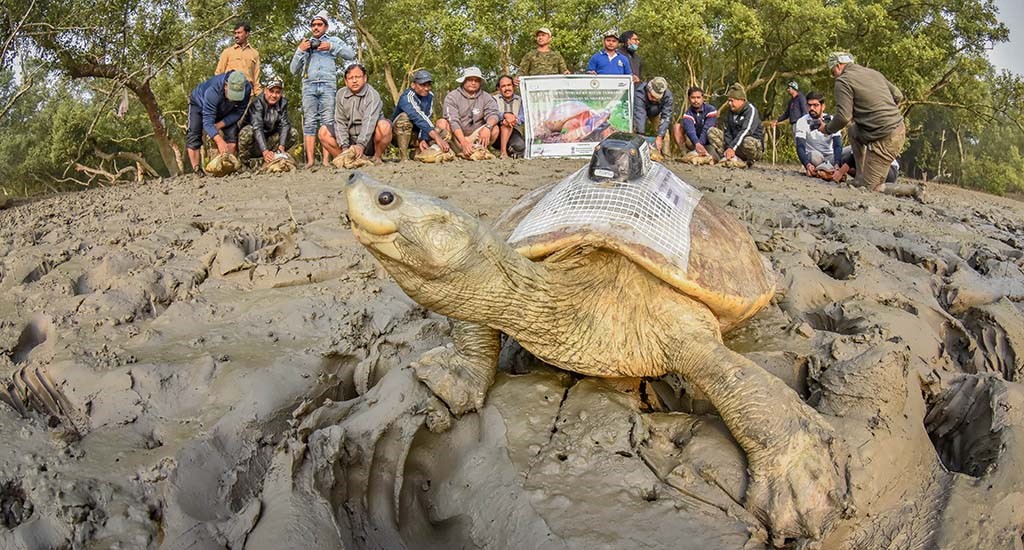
point(240, 251)
point(841, 264)
point(963, 427)
point(35, 333)
point(998, 333)
point(15, 506)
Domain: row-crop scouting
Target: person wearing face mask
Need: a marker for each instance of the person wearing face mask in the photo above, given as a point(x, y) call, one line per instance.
point(629, 43)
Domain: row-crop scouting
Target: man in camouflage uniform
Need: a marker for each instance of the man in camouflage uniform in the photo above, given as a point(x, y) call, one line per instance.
point(268, 130)
point(740, 139)
point(543, 60)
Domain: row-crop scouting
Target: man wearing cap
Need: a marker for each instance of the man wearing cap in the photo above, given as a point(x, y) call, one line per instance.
point(819, 153)
point(269, 131)
point(796, 108)
point(542, 60)
point(319, 70)
point(629, 43)
point(471, 114)
point(510, 124)
point(215, 107)
point(413, 111)
point(742, 137)
point(609, 60)
point(359, 120)
point(691, 132)
point(653, 100)
point(868, 102)
point(241, 57)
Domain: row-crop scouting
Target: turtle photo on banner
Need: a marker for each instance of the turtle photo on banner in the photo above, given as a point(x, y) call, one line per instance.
point(566, 116)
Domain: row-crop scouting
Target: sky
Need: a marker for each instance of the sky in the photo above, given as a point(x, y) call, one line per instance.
point(1011, 13)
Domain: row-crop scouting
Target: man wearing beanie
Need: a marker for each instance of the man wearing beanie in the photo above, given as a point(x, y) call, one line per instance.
point(740, 140)
point(868, 102)
point(629, 43)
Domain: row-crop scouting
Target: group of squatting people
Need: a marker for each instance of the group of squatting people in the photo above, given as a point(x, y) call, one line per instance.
point(229, 109)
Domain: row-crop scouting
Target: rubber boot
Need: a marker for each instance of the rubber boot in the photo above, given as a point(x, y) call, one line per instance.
point(403, 134)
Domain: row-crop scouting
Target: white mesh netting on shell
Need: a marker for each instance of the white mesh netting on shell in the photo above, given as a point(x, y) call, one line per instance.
point(652, 211)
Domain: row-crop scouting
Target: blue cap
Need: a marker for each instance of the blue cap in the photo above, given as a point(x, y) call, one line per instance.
point(422, 76)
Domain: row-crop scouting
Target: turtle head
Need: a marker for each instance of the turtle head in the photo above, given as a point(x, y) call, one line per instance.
point(431, 248)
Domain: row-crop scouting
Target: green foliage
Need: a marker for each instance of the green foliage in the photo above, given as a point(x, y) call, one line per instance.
point(934, 51)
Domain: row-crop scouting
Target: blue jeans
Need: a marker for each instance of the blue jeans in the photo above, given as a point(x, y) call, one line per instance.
point(317, 106)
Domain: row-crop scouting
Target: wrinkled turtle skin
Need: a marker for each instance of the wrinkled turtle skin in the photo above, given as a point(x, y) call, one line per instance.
point(348, 160)
point(223, 164)
point(598, 305)
point(434, 154)
point(279, 165)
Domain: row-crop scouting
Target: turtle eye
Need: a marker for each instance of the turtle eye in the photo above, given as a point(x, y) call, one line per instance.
point(386, 198)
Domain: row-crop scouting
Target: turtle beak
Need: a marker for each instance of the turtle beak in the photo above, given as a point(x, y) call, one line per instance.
point(372, 224)
point(364, 196)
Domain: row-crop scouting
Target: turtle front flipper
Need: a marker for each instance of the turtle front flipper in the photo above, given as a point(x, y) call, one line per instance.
point(461, 373)
point(797, 470)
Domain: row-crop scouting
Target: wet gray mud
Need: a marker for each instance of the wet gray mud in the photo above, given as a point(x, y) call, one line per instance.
point(218, 363)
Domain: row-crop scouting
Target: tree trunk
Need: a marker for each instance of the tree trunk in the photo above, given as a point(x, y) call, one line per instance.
point(142, 90)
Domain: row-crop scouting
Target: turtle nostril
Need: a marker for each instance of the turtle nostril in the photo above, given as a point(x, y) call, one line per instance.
point(385, 198)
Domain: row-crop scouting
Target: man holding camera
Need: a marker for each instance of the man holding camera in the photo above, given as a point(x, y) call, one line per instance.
point(316, 60)
point(269, 131)
point(819, 153)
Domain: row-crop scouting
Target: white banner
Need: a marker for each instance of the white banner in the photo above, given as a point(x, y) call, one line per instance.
point(566, 116)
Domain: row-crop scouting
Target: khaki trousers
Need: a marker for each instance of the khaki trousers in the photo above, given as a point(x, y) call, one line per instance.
point(873, 158)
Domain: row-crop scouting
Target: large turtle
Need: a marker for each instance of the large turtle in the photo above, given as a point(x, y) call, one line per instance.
point(572, 121)
point(613, 279)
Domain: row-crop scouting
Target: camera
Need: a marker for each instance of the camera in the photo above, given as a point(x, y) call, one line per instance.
point(823, 118)
point(314, 43)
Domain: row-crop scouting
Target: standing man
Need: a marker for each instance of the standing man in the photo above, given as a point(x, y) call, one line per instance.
point(510, 124)
point(742, 139)
point(653, 100)
point(694, 125)
point(867, 101)
point(796, 108)
point(316, 60)
point(241, 57)
point(609, 60)
point(413, 112)
point(471, 114)
point(359, 121)
point(819, 153)
point(543, 60)
point(269, 131)
point(629, 42)
point(214, 107)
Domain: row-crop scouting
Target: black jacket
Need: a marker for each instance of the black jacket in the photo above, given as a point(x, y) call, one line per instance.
point(266, 119)
point(740, 125)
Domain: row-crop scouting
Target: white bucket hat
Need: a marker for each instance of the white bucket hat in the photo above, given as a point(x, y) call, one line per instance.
point(470, 72)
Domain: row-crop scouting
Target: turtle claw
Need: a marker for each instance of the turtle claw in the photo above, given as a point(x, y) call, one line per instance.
point(454, 378)
point(371, 436)
point(32, 388)
point(798, 489)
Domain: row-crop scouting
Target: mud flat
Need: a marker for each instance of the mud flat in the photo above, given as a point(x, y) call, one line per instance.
point(218, 363)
